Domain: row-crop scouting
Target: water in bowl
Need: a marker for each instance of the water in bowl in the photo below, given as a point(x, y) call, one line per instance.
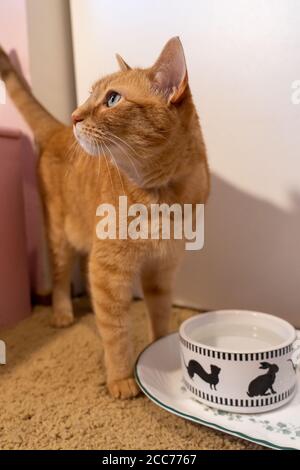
point(236, 337)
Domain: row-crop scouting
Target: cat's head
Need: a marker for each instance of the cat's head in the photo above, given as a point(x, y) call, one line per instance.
point(137, 117)
point(215, 370)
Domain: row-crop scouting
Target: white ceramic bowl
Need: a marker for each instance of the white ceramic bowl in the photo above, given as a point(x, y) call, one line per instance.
point(238, 360)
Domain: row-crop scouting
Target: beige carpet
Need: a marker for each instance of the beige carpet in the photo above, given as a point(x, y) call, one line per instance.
point(53, 394)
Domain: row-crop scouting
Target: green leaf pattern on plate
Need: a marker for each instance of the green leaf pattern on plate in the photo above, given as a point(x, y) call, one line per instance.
point(288, 429)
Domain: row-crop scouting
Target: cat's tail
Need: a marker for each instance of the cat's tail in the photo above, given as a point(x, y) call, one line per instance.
point(42, 123)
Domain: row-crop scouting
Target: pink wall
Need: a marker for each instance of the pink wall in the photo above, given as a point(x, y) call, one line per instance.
point(14, 272)
point(13, 36)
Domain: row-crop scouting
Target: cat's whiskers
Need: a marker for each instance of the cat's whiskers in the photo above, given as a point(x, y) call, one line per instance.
point(71, 149)
point(71, 152)
point(116, 165)
point(104, 134)
point(99, 158)
point(124, 153)
point(97, 134)
point(95, 138)
point(111, 139)
point(82, 154)
point(108, 169)
point(125, 143)
point(71, 155)
point(99, 161)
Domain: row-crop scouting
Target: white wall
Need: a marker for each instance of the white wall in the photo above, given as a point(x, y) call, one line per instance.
point(40, 32)
point(243, 56)
point(13, 12)
point(51, 56)
point(52, 68)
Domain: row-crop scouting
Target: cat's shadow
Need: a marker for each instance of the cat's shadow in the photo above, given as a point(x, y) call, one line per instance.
point(250, 257)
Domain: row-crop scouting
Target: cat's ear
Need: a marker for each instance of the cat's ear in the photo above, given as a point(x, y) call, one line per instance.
point(122, 64)
point(169, 73)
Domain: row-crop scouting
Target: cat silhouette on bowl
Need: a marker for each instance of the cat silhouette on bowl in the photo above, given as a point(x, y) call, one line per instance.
point(211, 378)
point(263, 384)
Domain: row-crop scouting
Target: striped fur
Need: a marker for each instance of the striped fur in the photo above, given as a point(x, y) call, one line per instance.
point(164, 140)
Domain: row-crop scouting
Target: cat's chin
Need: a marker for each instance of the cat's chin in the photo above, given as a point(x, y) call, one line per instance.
point(89, 147)
point(126, 166)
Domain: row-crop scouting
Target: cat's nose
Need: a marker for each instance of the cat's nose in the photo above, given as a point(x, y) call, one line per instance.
point(76, 118)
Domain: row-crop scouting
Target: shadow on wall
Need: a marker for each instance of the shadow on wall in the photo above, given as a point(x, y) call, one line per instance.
point(251, 256)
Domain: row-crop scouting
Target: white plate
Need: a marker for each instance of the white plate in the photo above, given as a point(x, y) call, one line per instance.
point(159, 375)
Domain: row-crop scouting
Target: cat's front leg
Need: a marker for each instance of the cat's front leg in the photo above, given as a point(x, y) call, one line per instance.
point(111, 274)
point(157, 276)
point(157, 282)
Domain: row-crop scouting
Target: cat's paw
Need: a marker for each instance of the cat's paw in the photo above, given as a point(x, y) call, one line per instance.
point(126, 388)
point(62, 319)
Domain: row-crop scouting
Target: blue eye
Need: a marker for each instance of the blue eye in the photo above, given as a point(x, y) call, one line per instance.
point(112, 99)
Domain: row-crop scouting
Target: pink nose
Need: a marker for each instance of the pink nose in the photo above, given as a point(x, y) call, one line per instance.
point(76, 118)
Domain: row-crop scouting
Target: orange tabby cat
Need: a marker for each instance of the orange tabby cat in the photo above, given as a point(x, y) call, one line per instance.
point(139, 136)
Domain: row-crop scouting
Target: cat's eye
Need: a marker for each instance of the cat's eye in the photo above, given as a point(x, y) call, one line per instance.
point(112, 99)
